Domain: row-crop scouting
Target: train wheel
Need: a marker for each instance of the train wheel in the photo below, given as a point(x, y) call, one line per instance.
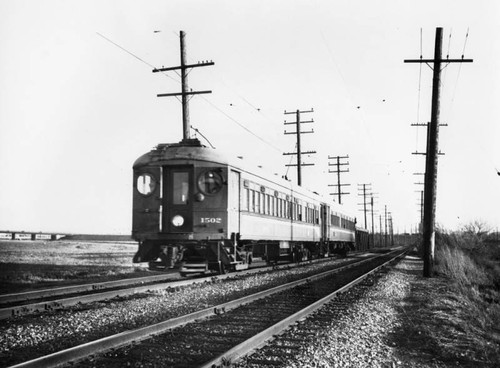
point(223, 269)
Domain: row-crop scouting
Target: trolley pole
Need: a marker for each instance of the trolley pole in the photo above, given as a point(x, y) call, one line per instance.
point(431, 163)
point(186, 126)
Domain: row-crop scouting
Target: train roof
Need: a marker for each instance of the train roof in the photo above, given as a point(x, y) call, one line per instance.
point(188, 149)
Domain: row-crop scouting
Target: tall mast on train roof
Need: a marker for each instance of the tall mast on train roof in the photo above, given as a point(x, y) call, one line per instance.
point(186, 125)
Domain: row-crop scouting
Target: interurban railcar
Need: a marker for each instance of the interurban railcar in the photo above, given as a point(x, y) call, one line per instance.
point(192, 203)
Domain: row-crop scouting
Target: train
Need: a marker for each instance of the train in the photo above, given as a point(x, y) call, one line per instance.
point(197, 210)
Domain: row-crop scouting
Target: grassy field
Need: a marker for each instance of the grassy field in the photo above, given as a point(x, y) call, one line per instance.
point(27, 265)
point(461, 316)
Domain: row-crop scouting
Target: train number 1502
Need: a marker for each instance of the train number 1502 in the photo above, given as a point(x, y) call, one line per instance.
point(211, 220)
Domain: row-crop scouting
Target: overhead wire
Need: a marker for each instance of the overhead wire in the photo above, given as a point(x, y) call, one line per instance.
point(419, 91)
point(290, 162)
point(243, 99)
point(241, 125)
point(230, 117)
point(132, 54)
point(460, 67)
point(208, 101)
point(486, 153)
point(228, 87)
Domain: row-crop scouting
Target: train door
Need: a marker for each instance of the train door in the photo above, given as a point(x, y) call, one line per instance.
point(178, 199)
point(234, 195)
point(146, 200)
point(325, 223)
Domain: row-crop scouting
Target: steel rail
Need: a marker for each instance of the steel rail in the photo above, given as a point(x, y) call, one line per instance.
point(115, 341)
point(74, 289)
point(259, 340)
point(42, 306)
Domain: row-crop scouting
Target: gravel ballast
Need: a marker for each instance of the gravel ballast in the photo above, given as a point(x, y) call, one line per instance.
point(28, 337)
point(389, 327)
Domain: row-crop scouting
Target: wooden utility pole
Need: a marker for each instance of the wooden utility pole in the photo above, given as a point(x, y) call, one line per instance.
point(338, 171)
point(373, 225)
point(385, 223)
point(431, 162)
point(380, 226)
point(298, 132)
point(364, 194)
point(421, 211)
point(391, 229)
point(186, 126)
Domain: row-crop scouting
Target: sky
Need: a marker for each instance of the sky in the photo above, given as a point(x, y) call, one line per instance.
point(78, 101)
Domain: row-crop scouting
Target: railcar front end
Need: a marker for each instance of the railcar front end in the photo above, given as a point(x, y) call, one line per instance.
point(180, 205)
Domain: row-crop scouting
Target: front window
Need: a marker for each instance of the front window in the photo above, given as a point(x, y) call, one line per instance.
point(180, 187)
point(146, 184)
point(210, 182)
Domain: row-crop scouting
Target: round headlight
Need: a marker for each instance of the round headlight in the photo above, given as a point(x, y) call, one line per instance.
point(178, 220)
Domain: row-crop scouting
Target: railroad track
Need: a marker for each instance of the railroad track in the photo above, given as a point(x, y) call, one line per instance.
point(217, 335)
point(63, 297)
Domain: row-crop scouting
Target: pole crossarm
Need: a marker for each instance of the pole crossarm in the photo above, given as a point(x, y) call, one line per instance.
point(296, 153)
point(300, 111)
point(302, 164)
point(425, 153)
point(182, 93)
point(336, 185)
point(426, 124)
point(183, 67)
point(425, 61)
point(301, 132)
point(302, 122)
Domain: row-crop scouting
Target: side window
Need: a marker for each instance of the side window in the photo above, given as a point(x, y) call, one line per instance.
point(244, 200)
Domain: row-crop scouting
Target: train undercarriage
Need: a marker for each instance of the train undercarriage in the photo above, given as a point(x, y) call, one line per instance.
point(222, 256)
